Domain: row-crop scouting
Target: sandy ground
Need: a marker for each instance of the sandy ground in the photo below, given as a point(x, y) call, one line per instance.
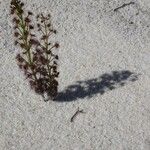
point(95, 41)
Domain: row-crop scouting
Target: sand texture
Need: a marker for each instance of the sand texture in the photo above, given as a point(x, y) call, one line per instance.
point(104, 69)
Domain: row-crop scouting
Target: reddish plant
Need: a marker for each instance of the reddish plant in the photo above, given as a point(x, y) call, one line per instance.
point(37, 58)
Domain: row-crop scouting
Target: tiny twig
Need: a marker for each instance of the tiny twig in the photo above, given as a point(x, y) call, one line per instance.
point(124, 5)
point(76, 113)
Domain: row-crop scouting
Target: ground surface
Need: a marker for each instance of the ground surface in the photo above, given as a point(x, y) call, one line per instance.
point(95, 40)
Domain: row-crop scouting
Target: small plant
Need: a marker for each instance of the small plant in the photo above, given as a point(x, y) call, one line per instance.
point(37, 59)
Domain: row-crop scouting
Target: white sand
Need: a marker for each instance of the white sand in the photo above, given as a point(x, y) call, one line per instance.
point(94, 40)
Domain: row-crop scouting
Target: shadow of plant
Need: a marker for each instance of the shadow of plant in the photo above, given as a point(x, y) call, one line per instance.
point(102, 84)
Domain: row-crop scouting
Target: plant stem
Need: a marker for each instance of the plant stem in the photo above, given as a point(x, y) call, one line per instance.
point(46, 47)
point(27, 48)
